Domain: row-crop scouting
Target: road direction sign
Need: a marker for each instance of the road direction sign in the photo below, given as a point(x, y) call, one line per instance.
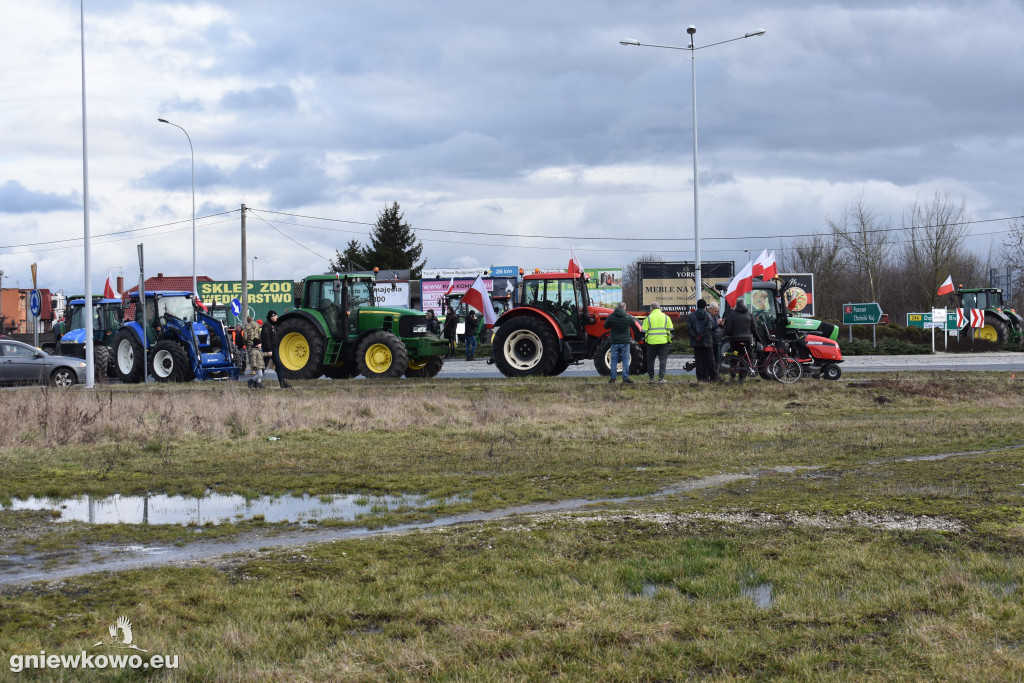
point(236, 307)
point(35, 302)
point(862, 314)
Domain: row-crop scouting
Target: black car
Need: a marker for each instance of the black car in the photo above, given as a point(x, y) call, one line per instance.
point(24, 364)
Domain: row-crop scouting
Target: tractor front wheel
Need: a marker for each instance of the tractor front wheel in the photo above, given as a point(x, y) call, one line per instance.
point(525, 347)
point(381, 355)
point(168, 362)
point(101, 363)
point(128, 357)
point(995, 331)
point(424, 368)
point(300, 349)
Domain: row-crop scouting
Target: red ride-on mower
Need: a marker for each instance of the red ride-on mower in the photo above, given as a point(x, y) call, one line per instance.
point(819, 356)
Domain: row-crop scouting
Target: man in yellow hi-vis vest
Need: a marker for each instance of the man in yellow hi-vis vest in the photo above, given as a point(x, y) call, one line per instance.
point(658, 329)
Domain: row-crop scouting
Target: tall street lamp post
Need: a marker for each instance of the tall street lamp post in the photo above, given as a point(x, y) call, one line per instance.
point(195, 285)
point(693, 80)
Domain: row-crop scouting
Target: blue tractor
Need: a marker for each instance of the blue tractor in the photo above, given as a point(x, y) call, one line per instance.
point(107, 316)
point(183, 343)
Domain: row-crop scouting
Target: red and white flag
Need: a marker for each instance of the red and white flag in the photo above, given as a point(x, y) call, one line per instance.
point(574, 264)
point(741, 284)
point(758, 266)
point(946, 287)
point(108, 291)
point(765, 266)
point(477, 297)
point(451, 286)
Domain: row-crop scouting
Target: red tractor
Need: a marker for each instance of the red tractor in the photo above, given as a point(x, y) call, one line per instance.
point(552, 325)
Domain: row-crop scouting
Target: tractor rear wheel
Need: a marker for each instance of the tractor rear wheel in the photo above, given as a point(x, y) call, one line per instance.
point(128, 357)
point(300, 349)
point(169, 362)
point(381, 355)
point(101, 363)
point(995, 331)
point(425, 367)
point(525, 347)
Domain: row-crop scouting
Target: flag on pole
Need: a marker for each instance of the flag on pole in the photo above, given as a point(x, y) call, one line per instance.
point(758, 266)
point(574, 263)
point(477, 297)
point(741, 284)
point(764, 267)
point(451, 286)
point(947, 286)
point(108, 291)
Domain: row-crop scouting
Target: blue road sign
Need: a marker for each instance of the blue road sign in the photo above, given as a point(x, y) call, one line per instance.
point(35, 302)
point(236, 307)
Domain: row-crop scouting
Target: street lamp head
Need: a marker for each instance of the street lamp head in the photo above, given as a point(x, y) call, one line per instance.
point(629, 41)
point(758, 32)
point(691, 30)
point(163, 120)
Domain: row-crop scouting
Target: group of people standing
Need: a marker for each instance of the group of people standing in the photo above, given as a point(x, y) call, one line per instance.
point(707, 330)
point(450, 331)
point(257, 343)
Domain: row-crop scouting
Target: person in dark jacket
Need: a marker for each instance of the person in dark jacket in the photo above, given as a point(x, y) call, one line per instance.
point(740, 331)
point(472, 323)
point(451, 326)
point(699, 325)
point(621, 324)
point(433, 326)
point(268, 339)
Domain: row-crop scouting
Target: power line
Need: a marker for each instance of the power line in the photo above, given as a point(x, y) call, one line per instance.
point(118, 232)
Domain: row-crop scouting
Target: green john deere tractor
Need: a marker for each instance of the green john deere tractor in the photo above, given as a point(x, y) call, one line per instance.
point(1002, 325)
point(337, 331)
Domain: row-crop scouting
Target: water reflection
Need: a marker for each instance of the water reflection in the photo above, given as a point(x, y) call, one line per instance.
point(218, 508)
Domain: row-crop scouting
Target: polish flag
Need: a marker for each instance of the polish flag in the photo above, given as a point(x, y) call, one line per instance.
point(574, 264)
point(740, 285)
point(451, 286)
point(765, 266)
point(477, 297)
point(758, 267)
point(947, 286)
point(108, 291)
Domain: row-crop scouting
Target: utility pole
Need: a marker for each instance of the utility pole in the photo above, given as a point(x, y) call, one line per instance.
point(245, 281)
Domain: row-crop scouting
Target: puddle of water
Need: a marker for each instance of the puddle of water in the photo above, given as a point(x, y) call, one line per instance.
point(649, 590)
point(761, 594)
point(216, 508)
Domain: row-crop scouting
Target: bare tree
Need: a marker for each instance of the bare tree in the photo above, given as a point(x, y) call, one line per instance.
point(822, 255)
point(866, 243)
point(631, 282)
point(1013, 258)
point(935, 235)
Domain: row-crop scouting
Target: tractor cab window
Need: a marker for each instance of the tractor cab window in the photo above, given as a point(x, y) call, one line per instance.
point(110, 319)
point(327, 297)
point(762, 307)
point(360, 293)
point(76, 320)
point(177, 306)
point(560, 298)
point(970, 300)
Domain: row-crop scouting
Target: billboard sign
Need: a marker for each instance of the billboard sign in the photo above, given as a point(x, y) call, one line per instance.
point(799, 292)
point(604, 285)
point(264, 295)
point(432, 292)
point(672, 286)
point(391, 293)
point(448, 273)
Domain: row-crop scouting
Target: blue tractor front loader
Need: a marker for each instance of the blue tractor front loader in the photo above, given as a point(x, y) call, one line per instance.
point(182, 342)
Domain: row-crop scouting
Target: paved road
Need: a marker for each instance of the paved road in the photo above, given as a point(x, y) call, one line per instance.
point(1010, 362)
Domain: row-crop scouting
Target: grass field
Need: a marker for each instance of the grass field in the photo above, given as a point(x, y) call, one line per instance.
point(867, 533)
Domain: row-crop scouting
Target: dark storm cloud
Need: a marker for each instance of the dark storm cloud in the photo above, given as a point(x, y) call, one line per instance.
point(16, 198)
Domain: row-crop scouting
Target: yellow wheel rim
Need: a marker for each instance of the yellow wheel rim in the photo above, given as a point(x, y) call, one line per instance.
point(988, 333)
point(378, 358)
point(417, 364)
point(294, 351)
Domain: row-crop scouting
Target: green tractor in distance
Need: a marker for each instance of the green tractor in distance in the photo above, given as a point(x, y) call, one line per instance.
point(1002, 325)
point(337, 331)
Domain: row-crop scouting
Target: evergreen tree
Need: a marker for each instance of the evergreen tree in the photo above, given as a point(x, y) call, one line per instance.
point(353, 258)
point(393, 245)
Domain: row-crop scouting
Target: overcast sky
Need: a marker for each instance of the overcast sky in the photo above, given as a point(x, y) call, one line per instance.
point(505, 119)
